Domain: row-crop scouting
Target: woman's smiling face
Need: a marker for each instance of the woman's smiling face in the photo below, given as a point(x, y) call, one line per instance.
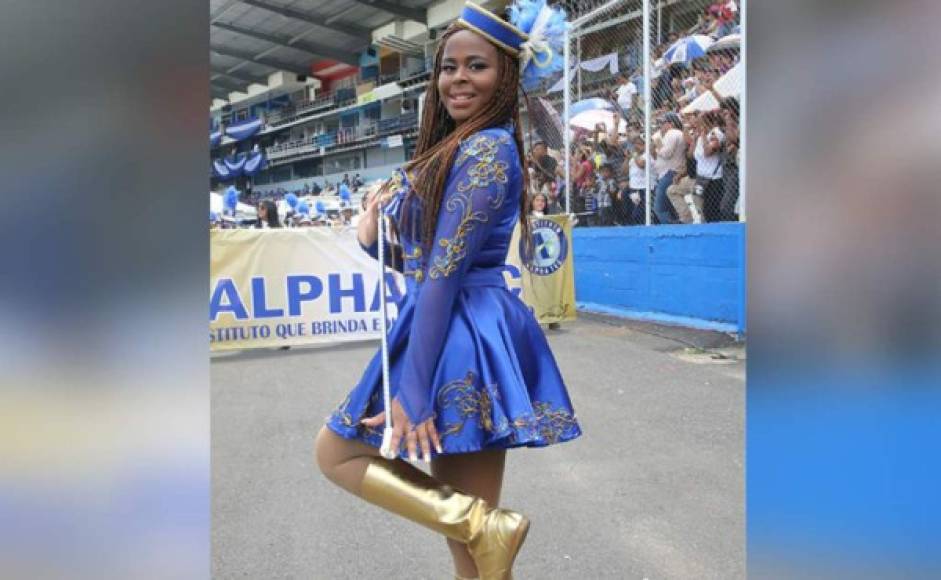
point(468, 78)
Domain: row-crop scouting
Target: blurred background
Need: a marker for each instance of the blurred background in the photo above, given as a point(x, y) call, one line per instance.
point(843, 290)
point(104, 411)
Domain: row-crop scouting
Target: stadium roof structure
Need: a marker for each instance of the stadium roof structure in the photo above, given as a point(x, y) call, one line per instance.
point(250, 39)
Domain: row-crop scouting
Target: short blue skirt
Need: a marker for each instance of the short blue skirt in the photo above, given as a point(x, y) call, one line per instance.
point(496, 384)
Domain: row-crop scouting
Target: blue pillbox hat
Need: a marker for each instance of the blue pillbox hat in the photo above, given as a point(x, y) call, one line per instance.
point(492, 27)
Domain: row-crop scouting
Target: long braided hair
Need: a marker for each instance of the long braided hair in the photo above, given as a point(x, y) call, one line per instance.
point(439, 138)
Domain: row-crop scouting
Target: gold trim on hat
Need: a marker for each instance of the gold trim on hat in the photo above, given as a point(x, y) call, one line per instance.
point(498, 20)
point(500, 43)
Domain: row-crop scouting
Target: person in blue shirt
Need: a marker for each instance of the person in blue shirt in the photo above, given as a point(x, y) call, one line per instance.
point(471, 372)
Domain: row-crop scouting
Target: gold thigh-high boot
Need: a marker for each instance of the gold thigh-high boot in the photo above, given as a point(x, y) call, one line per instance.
point(493, 536)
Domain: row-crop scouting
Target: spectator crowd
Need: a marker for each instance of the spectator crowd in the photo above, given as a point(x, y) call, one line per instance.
point(694, 156)
point(354, 183)
point(276, 209)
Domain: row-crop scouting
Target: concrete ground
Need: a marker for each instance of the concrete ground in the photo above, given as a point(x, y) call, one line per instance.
point(654, 489)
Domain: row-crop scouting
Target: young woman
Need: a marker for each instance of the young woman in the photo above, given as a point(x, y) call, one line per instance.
point(471, 372)
point(540, 202)
point(268, 215)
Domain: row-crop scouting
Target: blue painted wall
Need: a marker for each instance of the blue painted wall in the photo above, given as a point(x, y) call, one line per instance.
point(686, 274)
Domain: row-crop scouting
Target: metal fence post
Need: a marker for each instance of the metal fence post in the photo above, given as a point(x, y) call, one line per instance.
point(743, 118)
point(567, 137)
point(647, 104)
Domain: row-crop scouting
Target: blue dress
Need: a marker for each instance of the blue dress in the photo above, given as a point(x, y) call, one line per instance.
point(464, 349)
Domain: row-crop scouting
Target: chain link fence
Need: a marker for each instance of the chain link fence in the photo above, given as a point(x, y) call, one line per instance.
point(654, 127)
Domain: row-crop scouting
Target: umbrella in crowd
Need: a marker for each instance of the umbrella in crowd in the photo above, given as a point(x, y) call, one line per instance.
point(688, 49)
point(588, 113)
point(704, 102)
point(728, 85)
point(547, 123)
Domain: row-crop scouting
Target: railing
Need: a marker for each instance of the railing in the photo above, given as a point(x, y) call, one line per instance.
point(353, 134)
point(291, 149)
point(398, 124)
point(389, 78)
point(345, 136)
point(300, 109)
point(337, 100)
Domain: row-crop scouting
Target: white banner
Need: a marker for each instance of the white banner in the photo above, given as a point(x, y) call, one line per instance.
point(294, 286)
point(281, 287)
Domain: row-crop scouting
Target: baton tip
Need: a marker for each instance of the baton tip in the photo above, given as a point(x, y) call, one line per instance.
point(385, 450)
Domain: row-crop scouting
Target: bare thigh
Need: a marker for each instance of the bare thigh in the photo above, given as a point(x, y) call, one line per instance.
point(343, 461)
point(479, 474)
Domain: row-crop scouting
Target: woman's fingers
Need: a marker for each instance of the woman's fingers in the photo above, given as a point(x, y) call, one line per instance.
point(395, 443)
point(411, 443)
point(373, 203)
point(374, 420)
point(423, 441)
point(387, 196)
point(433, 435)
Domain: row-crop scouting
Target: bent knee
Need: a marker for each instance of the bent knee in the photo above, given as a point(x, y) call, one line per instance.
point(325, 453)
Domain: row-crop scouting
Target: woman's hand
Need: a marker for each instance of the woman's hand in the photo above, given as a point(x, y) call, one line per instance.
point(373, 200)
point(366, 232)
point(422, 436)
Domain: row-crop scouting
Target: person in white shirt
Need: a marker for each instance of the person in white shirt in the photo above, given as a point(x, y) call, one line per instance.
point(692, 90)
point(669, 153)
point(633, 202)
point(625, 93)
point(730, 170)
point(708, 154)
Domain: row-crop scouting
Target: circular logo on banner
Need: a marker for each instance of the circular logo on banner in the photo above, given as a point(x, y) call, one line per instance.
point(550, 247)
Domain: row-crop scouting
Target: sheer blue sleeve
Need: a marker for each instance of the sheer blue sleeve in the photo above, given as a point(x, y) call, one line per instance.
point(476, 192)
point(391, 251)
point(397, 183)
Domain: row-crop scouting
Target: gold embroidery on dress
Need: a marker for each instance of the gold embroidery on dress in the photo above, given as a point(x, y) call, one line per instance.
point(343, 416)
point(395, 183)
point(553, 423)
point(484, 172)
point(418, 272)
point(341, 413)
point(370, 431)
point(523, 422)
point(487, 169)
point(467, 402)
